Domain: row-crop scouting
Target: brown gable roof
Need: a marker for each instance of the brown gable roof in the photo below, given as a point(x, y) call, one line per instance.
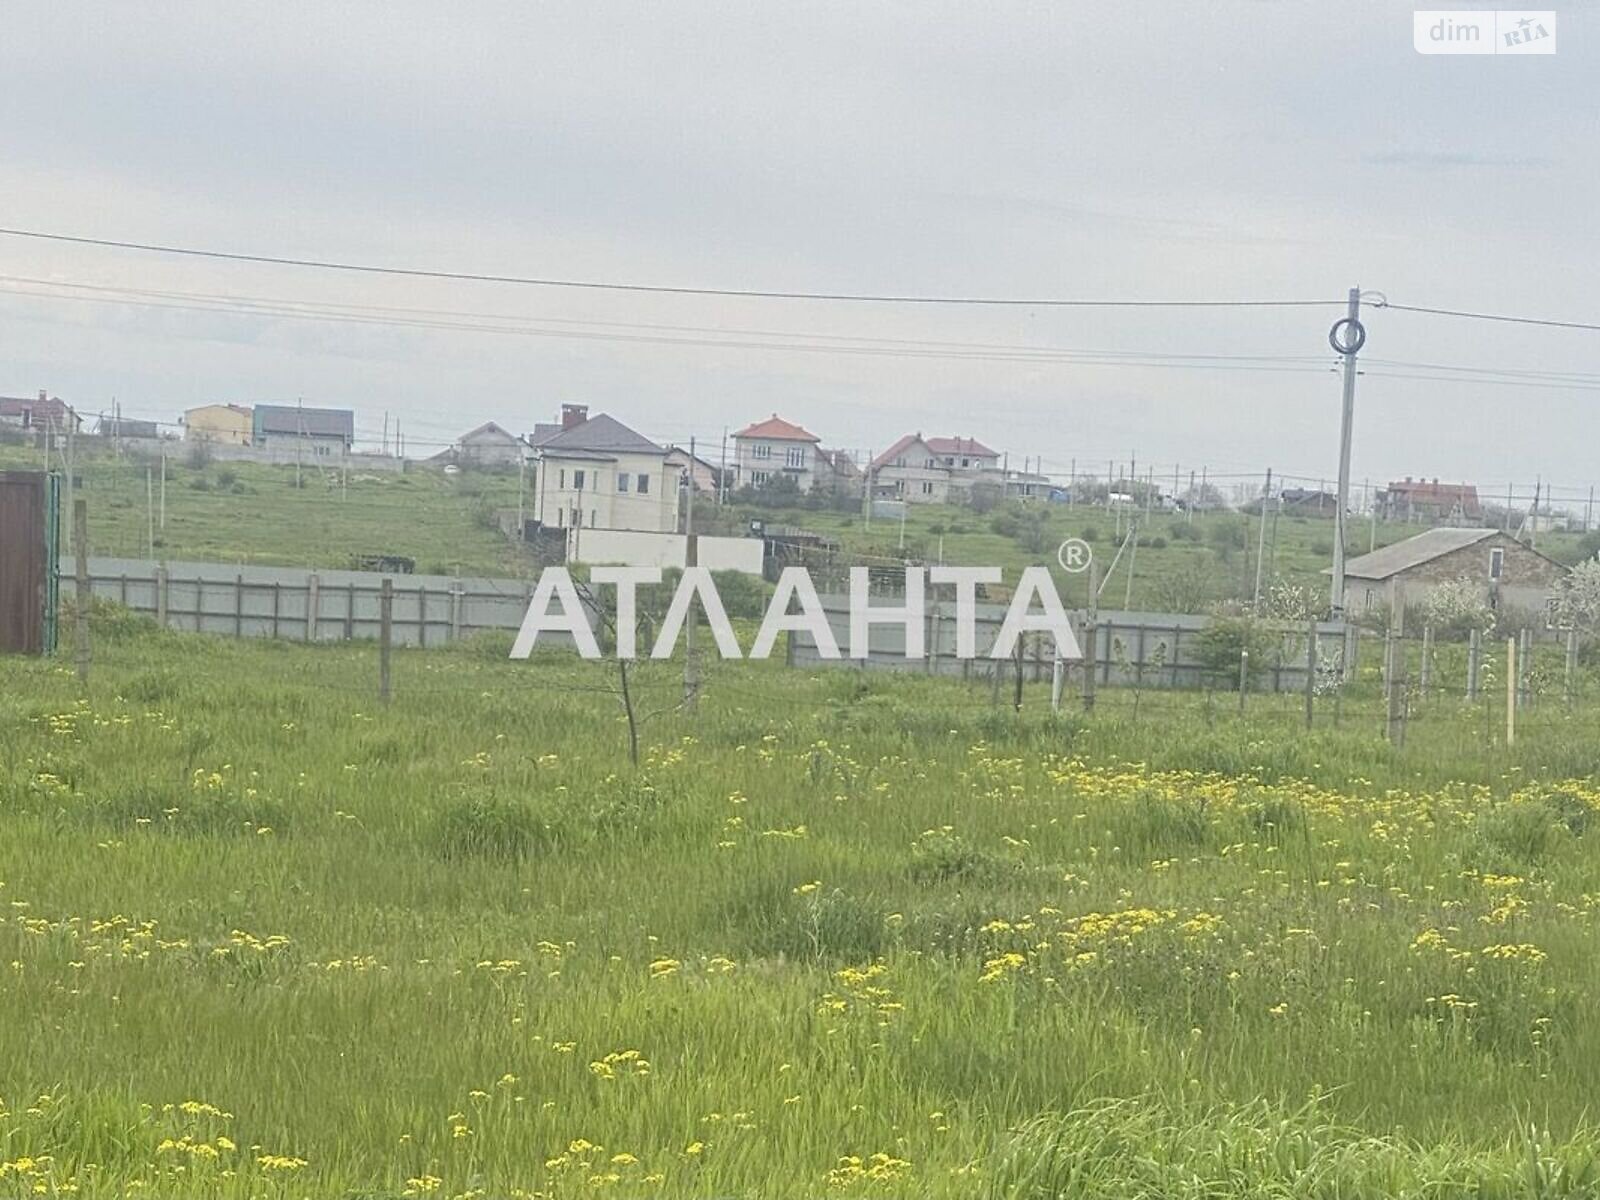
point(960, 445)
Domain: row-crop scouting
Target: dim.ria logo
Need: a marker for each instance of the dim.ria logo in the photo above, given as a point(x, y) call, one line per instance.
point(556, 607)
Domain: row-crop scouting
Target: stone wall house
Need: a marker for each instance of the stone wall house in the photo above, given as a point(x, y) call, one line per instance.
point(1511, 574)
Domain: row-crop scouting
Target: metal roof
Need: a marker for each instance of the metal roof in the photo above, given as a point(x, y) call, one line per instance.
point(1414, 551)
point(305, 422)
point(604, 433)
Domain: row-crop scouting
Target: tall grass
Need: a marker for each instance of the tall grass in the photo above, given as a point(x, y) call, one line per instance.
point(260, 936)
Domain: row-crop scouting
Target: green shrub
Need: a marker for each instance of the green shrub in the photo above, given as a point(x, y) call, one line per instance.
point(1221, 645)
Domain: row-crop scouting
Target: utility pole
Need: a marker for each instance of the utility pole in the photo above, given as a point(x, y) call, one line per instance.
point(1133, 554)
point(722, 471)
point(150, 511)
point(71, 465)
point(522, 474)
point(1372, 528)
point(691, 558)
point(299, 437)
point(163, 487)
point(1261, 540)
point(1354, 336)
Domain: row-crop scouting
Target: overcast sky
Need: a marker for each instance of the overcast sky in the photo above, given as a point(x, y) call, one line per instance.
point(1161, 150)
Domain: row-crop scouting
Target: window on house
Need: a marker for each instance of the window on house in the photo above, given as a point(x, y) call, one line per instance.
point(966, 462)
point(931, 464)
point(927, 487)
point(762, 451)
point(644, 484)
point(561, 518)
point(592, 521)
point(900, 461)
point(622, 481)
point(577, 480)
point(1497, 563)
point(795, 456)
point(757, 478)
point(561, 479)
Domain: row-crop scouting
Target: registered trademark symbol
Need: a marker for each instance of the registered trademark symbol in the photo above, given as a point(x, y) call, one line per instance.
point(1074, 555)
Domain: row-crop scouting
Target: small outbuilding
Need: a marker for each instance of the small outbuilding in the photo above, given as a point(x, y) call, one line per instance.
point(1512, 574)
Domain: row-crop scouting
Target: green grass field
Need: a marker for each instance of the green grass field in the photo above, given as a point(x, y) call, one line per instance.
point(835, 935)
point(244, 512)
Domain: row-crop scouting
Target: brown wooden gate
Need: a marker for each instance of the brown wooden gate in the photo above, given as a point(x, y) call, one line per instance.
point(25, 572)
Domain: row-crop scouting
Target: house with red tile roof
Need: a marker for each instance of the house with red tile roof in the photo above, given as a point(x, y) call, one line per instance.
point(1430, 502)
point(933, 470)
point(46, 415)
point(774, 449)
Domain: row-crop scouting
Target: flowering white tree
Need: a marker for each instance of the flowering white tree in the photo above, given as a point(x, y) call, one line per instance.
point(1457, 606)
point(1577, 598)
point(1287, 601)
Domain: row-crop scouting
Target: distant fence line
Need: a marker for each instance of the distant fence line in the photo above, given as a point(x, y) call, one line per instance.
point(298, 604)
point(1130, 649)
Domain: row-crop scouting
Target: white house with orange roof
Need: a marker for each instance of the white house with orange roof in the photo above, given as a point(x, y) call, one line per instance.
point(773, 448)
point(933, 470)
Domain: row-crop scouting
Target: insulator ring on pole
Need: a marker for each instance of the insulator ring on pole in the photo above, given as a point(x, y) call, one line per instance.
point(1358, 336)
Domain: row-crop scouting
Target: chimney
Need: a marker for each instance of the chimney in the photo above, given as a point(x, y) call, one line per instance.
point(1408, 479)
point(1435, 481)
point(573, 415)
point(42, 396)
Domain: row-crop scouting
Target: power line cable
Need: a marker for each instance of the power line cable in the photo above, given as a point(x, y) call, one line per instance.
point(656, 289)
point(276, 305)
point(1021, 354)
point(1481, 316)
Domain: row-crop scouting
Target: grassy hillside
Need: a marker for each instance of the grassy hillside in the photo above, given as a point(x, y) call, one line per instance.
point(246, 512)
point(262, 937)
point(242, 512)
point(1181, 564)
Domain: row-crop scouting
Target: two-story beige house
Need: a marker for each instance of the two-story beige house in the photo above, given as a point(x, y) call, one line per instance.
point(596, 473)
point(221, 424)
point(771, 449)
point(933, 470)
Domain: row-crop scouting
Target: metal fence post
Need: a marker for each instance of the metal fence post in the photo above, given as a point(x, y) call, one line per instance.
point(1426, 674)
point(1311, 671)
point(80, 621)
point(1474, 662)
point(385, 636)
point(1091, 656)
point(1511, 692)
point(313, 602)
point(162, 594)
point(1396, 692)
